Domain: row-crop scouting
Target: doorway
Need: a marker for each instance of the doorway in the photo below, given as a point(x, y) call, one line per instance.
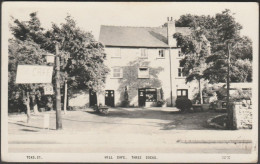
point(110, 98)
point(141, 97)
point(92, 98)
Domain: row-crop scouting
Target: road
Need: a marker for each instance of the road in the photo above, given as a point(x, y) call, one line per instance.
point(126, 130)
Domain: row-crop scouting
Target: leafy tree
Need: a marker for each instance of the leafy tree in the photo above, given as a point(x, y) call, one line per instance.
point(228, 32)
point(195, 21)
point(218, 30)
point(196, 48)
point(87, 56)
point(86, 62)
point(23, 52)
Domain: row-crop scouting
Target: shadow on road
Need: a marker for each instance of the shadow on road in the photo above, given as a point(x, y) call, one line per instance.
point(28, 126)
point(29, 130)
point(178, 120)
point(105, 122)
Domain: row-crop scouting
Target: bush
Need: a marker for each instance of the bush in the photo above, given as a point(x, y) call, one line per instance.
point(125, 103)
point(183, 103)
point(160, 103)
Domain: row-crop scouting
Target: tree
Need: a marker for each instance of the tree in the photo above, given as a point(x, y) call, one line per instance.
point(86, 62)
point(196, 48)
point(23, 52)
point(217, 30)
point(26, 48)
point(87, 55)
point(228, 32)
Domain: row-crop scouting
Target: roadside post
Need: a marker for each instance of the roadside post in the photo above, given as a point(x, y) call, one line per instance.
point(46, 121)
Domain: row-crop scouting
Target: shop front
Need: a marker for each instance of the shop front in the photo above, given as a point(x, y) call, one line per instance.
point(147, 97)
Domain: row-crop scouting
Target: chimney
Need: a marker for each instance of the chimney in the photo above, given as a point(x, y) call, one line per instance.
point(170, 32)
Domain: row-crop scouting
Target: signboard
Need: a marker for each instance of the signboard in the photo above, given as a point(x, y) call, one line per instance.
point(48, 90)
point(50, 58)
point(34, 74)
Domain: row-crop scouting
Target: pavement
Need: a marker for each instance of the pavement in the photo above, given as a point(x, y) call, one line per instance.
point(139, 130)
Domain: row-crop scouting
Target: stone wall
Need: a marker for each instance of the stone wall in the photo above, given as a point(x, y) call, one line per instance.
point(242, 116)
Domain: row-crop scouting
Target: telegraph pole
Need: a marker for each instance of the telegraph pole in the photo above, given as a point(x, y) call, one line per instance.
point(170, 74)
point(230, 112)
point(65, 96)
point(228, 72)
point(58, 97)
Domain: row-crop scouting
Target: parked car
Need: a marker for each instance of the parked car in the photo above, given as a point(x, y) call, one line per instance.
point(219, 105)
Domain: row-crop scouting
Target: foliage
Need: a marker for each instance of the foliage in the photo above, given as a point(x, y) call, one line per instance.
point(227, 32)
point(31, 42)
point(183, 103)
point(195, 21)
point(130, 78)
point(21, 52)
point(218, 30)
point(160, 103)
point(87, 56)
point(241, 95)
point(126, 102)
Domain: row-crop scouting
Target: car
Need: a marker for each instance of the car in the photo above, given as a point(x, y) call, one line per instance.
point(219, 105)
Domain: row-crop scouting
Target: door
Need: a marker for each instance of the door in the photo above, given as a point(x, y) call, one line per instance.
point(92, 98)
point(141, 97)
point(110, 98)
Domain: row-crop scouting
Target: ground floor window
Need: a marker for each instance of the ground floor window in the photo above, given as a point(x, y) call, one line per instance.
point(151, 95)
point(182, 93)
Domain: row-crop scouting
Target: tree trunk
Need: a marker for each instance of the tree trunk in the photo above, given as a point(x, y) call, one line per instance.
point(34, 104)
point(200, 92)
point(26, 101)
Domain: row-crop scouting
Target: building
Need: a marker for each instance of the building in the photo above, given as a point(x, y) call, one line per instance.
point(143, 60)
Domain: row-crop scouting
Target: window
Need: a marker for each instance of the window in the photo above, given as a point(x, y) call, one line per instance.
point(161, 54)
point(182, 93)
point(181, 64)
point(180, 72)
point(117, 72)
point(180, 54)
point(116, 53)
point(144, 53)
point(143, 72)
point(151, 95)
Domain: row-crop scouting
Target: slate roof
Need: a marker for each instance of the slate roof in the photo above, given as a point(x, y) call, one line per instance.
point(136, 36)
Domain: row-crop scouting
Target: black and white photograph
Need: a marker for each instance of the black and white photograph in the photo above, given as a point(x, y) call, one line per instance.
point(135, 82)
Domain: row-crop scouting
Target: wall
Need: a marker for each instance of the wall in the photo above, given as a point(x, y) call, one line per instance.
point(242, 116)
point(159, 70)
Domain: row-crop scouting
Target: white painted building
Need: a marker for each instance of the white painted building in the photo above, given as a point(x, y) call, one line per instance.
point(143, 60)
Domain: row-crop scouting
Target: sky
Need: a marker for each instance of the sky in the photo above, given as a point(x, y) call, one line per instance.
point(91, 15)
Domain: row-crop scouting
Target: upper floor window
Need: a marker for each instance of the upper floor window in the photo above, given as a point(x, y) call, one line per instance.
point(161, 54)
point(143, 72)
point(117, 72)
point(144, 53)
point(181, 64)
point(180, 72)
point(116, 53)
point(180, 54)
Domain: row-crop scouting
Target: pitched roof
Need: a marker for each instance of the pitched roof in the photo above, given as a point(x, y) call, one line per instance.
point(137, 36)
